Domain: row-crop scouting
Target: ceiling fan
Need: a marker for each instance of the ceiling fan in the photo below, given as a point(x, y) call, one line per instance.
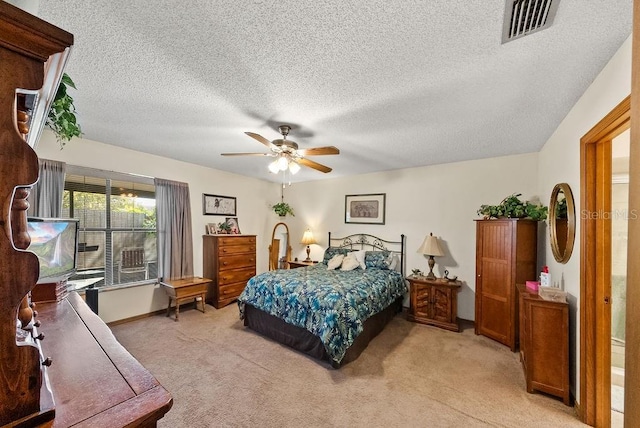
point(287, 154)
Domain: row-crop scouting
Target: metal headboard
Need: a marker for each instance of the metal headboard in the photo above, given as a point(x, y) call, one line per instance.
point(364, 241)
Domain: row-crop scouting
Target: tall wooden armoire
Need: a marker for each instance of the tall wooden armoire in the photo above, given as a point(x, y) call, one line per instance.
point(506, 255)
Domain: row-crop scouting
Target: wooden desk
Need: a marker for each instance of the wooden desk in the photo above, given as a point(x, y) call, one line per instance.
point(182, 289)
point(94, 380)
point(293, 264)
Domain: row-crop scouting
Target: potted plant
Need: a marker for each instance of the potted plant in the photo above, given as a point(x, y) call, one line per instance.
point(513, 207)
point(224, 227)
point(282, 209)
point(62, 114)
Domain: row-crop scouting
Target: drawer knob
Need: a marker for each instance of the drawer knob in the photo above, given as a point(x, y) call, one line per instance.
point(47, 362)
point(39, 337)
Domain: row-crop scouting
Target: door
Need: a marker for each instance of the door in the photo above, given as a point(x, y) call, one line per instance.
point(493, 279)
point(441, 304)
point(596, 265)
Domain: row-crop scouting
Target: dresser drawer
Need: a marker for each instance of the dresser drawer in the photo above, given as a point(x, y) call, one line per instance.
point(231, 291)
point(235, 262)
point(236, 275)
point(236, 240)
point(236, 249)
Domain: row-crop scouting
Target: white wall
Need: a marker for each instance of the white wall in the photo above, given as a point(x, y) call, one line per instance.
point(253, 200)
point(440, 199)
point(559, 161)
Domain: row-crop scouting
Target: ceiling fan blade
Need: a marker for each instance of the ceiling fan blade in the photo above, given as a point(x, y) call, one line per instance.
point(261, 139)
point(317, 151)
point(245, 154)
point(314, 165)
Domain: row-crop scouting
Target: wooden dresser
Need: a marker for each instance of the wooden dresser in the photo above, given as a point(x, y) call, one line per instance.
point(229, 261)
point(544, 344)
point(59, 363)
point(95, 381)
point(506, 255)
point(434, 302)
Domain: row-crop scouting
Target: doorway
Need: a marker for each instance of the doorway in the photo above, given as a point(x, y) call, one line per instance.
point(596, 265)
point(619, 238)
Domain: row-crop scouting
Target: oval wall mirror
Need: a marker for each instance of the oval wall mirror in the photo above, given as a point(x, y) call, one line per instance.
point(562, 222)
point(279, 248)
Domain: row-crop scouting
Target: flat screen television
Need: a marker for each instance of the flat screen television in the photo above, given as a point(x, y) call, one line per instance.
point(55, 242)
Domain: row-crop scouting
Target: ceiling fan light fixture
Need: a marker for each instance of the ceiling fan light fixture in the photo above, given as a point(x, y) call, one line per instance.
point(283, 163)
point(273, 167)
point(294, 167)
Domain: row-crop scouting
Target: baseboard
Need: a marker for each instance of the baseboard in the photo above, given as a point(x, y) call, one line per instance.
point(577, 409)
point(137, 317)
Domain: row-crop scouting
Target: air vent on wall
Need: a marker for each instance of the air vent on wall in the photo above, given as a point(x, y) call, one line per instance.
point(522, 17)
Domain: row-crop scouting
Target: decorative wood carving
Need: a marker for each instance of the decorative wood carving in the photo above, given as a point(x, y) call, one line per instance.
point(26, 43)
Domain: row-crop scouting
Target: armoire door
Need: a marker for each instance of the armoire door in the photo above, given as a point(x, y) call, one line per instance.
point(494, 292)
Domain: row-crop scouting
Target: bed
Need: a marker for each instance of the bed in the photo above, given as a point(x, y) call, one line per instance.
point(330, 315)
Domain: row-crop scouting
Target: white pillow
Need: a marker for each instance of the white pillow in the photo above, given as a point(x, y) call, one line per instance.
point(335, 262)
point(349, 263)
point(393, 261)
point(359, 256)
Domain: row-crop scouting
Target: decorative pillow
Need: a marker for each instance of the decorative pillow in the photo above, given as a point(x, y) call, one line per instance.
point(350, 263)
point(332, 251)
point(376, 259)
point(393, 261)
point(335, 262)
point(359, 256)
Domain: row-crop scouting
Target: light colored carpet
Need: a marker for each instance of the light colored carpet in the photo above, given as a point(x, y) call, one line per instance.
point(222, 374)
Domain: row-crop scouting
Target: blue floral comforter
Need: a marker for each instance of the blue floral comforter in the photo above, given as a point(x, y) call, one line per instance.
point(331, 304)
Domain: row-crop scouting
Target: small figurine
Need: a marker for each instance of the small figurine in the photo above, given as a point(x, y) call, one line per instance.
point(416, 272)
point(446, 276)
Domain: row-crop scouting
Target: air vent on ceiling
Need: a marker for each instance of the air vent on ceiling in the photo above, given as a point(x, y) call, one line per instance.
point(522, 17)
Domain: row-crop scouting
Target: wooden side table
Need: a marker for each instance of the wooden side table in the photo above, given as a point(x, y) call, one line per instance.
point(293, 264)
point(434, 302)
point(183, 289)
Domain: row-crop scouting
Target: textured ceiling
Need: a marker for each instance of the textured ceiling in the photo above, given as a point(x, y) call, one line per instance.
point(391, 84)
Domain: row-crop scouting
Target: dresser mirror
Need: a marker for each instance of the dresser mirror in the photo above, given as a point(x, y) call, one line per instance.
point(279, 248)
point(562, 222)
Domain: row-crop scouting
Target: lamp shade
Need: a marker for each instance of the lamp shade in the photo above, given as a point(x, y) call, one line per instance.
point(273, 167)
point(294, 167)
point(307, 238)
point(430, 246)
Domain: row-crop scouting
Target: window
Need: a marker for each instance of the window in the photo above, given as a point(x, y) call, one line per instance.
point(117, 235)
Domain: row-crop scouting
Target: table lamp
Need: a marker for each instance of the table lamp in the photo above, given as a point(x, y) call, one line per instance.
point(430, 247)
point(308, 239)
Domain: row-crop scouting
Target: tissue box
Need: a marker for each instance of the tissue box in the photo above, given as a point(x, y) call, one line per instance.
point(553, 294)
point(532, 285)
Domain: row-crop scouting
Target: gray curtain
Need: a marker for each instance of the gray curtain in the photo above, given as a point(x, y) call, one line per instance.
point(46, 196)
point(175, 239)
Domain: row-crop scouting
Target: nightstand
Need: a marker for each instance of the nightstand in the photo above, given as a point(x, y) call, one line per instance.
point(297, 264)
point(434, 302)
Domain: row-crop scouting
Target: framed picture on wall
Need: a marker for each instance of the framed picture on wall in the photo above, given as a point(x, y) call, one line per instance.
point(218, 205)
point(365, 209)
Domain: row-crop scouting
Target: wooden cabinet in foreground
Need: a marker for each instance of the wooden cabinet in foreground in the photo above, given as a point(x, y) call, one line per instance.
point(544, 344)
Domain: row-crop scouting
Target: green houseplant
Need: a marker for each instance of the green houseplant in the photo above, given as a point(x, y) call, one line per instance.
point(282, 209)
point(62, 114)
point(513, 207)
point(224, 227)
